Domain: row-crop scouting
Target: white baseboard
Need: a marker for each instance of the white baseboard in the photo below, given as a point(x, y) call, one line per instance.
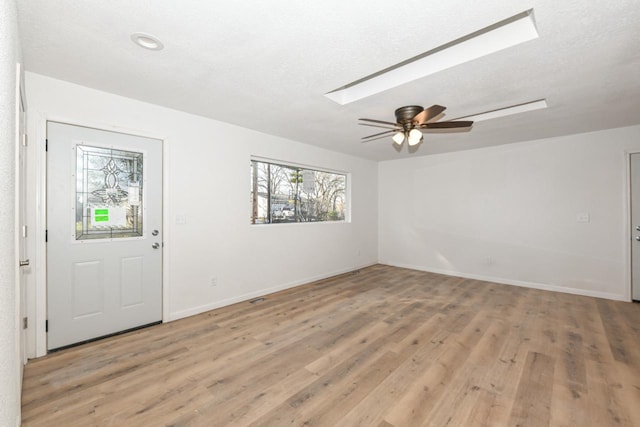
point(524, 284)
point(245, 297)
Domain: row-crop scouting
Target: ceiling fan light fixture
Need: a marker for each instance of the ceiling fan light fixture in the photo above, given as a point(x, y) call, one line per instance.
point(398, 138)
point(415, 136)
point(501, 35)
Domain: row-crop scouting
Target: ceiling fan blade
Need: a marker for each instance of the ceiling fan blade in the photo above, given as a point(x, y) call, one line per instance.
point(379, 121)
point(447, 125)
point(378, 134)
point(381, 127)
point(428, 114)
point(376, 138)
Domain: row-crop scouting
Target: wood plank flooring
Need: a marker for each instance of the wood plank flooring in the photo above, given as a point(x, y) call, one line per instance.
point(382, 347)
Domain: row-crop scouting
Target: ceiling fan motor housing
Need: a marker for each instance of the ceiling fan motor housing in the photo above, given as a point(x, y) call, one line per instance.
point(405, 115)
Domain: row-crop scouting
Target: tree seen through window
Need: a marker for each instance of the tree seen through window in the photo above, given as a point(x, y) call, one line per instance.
point(282, 193)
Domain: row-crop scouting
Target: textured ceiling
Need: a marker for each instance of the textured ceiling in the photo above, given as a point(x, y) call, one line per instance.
point(267, 65)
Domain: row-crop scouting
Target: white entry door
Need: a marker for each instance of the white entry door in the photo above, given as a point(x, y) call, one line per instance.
point(104, 233)
point(635, 226)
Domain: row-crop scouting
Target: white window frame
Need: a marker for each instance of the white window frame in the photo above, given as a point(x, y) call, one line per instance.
point(286, 164)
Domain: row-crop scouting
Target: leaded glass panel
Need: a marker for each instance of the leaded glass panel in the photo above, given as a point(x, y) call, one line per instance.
point(108, 193)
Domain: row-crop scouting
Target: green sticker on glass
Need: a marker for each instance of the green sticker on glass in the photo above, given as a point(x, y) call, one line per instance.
point(100, 215)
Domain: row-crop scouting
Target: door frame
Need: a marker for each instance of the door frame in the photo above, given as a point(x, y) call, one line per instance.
point(628, 226)
point(21, 209)
point(37, 126)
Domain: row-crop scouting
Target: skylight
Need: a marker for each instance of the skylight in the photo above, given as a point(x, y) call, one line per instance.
point(501, 35)
point(507, 111)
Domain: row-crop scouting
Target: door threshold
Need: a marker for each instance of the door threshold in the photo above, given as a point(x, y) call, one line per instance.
point(64, 347)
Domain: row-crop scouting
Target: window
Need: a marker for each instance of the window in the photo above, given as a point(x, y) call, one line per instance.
point(285, 193)
point(108, 193)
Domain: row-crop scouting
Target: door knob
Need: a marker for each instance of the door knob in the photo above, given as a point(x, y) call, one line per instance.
point(24, 263)
point(157, 245)
point(638, 238)
point(637, 227)
point(155, 232)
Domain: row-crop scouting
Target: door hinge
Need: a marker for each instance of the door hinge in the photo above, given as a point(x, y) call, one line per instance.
point(46, 236)
point(46, 325)
point(46, 145)
point(24, 231)
point(25, 322)
point(24, 139)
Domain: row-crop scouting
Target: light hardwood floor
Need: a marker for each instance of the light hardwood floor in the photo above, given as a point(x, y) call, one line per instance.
point(380, 347)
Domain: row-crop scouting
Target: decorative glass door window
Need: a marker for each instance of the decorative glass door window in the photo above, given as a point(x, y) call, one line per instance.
point(108, 193)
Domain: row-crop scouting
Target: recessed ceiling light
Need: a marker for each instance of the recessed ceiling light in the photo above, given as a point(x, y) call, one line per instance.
point(501, 35)
point(147, 41)
point(507, 111)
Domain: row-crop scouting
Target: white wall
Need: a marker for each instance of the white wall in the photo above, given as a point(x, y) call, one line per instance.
point(10, 363)
point(509, 213)
point(207, 171)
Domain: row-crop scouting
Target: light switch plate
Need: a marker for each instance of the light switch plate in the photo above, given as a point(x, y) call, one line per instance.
point(583, 217)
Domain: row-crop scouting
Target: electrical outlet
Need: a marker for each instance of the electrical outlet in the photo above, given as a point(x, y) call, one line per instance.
point(214, 281)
